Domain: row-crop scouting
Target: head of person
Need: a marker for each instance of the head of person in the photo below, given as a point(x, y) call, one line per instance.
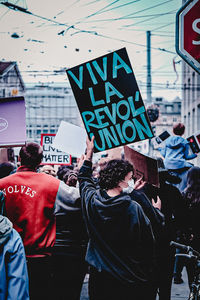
point(193, 185)
point(62, 170)
point(6, 169)
point(71, 178)
point(31, 155)
point(48, 169)
point(117, 173)
point(179, 129)
point(193, 177)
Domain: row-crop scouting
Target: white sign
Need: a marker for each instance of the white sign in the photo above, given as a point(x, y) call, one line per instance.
point(70, 138)
point(51, 155)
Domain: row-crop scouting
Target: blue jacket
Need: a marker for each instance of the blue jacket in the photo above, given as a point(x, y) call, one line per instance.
point(13, 269)
point(176, 152)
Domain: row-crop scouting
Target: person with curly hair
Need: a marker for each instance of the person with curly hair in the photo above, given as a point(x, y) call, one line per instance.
point(121, 248)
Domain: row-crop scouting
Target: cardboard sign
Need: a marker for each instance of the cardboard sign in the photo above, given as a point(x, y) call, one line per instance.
point(70, 138)
point(51, 155)
point(144, 166)
point(12, 122)
point(109, 101)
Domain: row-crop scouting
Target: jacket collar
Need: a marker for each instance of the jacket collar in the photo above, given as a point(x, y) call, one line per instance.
point(25, 168)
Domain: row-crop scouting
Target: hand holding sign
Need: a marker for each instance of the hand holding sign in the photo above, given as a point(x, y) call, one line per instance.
point(139, 183)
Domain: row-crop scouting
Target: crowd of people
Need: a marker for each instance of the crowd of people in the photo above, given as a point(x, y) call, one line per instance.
point(56, 227)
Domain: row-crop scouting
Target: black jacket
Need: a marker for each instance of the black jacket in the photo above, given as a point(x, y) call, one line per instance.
point(71, 235)
point(121, 240)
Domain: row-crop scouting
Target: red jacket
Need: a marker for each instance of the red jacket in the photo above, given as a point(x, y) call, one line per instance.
point(29, 203)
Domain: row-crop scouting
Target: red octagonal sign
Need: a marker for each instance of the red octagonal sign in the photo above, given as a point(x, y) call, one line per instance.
point(188, 33)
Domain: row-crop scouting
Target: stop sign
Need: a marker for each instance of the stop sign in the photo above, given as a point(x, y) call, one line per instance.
point(188, 33)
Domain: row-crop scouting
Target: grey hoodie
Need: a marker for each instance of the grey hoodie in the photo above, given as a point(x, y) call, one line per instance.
point(5, 229)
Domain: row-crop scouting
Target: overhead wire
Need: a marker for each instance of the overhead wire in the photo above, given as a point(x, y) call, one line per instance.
point(95, 33)
point(122, 5)
point(139, 11)
point(110, 37)
point(1, 17)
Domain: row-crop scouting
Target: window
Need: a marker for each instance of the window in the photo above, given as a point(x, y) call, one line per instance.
point(168, 108)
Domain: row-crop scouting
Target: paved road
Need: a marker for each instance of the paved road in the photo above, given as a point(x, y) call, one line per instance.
point(179, 291)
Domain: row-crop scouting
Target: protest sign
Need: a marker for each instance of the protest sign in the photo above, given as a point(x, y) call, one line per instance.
point(162, 137)
point(144, 166)
point(194, 142)
point(156, 141)
point(51, 155)
point(109, 101)
point(70, 138)
point(12, 121)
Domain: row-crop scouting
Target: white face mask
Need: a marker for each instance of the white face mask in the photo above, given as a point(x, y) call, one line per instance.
point(130, 187)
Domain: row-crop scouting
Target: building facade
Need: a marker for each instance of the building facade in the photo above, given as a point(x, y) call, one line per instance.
point(46, 107)
point(169, 113)
point(191, 102)
point(11, 83)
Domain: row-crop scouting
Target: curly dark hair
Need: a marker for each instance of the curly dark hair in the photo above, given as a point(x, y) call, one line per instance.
point(114, 172)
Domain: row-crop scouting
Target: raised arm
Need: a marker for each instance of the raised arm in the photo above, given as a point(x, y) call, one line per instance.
point(86, 184)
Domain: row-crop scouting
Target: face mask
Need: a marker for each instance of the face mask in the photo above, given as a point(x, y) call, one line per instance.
point(130, 187)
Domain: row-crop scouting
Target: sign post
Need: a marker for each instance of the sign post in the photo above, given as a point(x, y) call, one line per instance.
point(188, 33)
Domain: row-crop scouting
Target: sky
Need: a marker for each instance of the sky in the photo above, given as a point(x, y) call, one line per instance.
point(52, 36)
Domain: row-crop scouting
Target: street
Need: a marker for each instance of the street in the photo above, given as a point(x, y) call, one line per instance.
point(179, 291)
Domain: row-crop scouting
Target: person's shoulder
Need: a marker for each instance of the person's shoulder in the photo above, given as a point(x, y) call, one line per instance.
point(47, 177)
point(133, 203)
point(14, 240)
point(8, 178)
point(138, 195)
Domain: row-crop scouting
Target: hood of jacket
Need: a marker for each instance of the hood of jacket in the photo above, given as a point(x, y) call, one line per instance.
point(5, 229)
point(175, 142)
point(110, 207)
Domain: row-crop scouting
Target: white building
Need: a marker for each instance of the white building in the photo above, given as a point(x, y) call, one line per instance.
point(191, 102)
point(46, 107)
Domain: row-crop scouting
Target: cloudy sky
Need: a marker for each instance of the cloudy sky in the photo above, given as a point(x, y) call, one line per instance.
point(51, 36)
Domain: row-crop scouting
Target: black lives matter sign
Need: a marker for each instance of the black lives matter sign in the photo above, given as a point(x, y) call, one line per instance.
point(109, 101)
point(51, 155)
